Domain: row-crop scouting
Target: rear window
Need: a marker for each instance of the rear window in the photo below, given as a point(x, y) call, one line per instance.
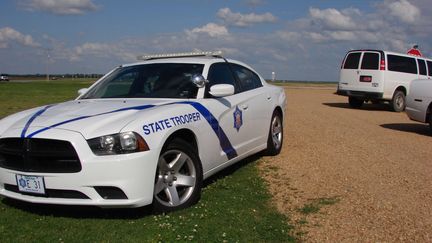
point(370, 61)
point(429, 64)
point(422, 67)
point(352, 61)
point(401, 64)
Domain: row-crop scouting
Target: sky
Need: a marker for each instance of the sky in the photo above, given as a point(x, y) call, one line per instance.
point(298, 40)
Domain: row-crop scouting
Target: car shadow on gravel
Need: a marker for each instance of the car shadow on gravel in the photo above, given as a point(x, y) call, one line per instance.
point(93, 212)
point(366, 106)
point(421, 129)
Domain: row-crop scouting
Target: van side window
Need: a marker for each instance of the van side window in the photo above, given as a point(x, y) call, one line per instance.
point(352, 61)
point(429, 64)
point(422, 67)
point(370, 61)
point(402, 64)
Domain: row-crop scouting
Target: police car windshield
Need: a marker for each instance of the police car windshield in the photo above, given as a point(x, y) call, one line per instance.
point(159, 80)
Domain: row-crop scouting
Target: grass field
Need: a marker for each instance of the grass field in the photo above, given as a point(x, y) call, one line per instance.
point(235, 204)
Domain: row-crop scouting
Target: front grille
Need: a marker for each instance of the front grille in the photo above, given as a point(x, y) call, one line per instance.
point(50, 193)
point(38, 155)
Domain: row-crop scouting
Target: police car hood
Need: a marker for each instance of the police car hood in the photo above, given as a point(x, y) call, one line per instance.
point(91, 118)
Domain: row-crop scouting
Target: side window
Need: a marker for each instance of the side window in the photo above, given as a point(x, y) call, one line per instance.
point(370, 61)
point(220, 73)
point(429, 64)
point(352, 61)
point(402, 64)
point(422, 66)
point(248, 79)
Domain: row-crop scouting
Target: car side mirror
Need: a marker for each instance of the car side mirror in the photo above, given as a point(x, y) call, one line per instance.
point(221, 90)
point(82, 91)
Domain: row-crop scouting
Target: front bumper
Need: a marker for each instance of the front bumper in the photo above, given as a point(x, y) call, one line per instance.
point(132, 174)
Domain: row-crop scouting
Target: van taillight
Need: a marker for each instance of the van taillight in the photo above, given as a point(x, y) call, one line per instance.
point(382, 64)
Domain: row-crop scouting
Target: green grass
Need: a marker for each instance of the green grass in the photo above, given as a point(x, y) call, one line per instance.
point(235, 204)
point(15, 97)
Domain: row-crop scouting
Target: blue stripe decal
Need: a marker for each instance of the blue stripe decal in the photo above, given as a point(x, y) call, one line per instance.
point(141, 107)
point(213, 122)
point(27, 125)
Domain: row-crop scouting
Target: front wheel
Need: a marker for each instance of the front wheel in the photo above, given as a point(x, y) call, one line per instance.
point(275, 136)
point(398, 102)
point(178, 179)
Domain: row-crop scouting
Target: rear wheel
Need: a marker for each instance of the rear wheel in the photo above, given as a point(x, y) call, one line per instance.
point(355, 102)
point(398, 102)
point(275, 136)
point(178, 179)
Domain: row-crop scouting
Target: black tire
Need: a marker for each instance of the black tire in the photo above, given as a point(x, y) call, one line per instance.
point(430, 121)
point(376, 102)
point(398, 101)
point(275, 135)
point(355, 102)
point(179, 177)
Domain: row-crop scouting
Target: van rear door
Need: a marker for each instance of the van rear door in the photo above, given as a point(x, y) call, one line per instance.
point(361, 71)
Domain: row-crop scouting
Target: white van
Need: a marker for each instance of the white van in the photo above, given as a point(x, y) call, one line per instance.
point(375, 75)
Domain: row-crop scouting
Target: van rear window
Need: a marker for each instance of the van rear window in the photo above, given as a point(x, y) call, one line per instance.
point(422, 67)
point(402, 64)
point(370, 61)
point(429, 64)
point(352, 61)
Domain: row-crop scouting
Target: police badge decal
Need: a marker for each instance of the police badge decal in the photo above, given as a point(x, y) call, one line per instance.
point(238, 118)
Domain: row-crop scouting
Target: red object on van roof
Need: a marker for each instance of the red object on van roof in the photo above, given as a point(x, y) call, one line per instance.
point(414, 52)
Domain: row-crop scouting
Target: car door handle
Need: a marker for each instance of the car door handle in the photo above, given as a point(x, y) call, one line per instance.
point(268, 97)
point(244, 107)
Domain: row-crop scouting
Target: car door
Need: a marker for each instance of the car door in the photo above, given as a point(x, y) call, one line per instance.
point(234, 114)
point(258, 105)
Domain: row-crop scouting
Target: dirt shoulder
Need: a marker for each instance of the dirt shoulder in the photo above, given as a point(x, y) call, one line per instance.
point(347, 175)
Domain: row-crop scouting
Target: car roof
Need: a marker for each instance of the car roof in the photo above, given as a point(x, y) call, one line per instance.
point(206, 60)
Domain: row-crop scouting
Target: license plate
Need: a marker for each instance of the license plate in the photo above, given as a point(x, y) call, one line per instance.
point(31, 184)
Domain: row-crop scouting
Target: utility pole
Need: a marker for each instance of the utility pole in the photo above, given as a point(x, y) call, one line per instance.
point(47, 50)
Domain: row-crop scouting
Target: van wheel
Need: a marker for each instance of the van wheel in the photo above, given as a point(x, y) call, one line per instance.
point(398, 102)
point(355, 102)
point(430, 121)
point(178, 179)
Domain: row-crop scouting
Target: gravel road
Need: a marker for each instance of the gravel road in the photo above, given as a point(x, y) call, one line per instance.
point(375, 166)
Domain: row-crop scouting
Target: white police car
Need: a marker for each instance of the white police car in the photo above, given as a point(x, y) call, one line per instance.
point(145, 133)
point(419, 101)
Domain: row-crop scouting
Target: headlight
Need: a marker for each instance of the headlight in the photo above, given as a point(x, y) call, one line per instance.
point(121, 143)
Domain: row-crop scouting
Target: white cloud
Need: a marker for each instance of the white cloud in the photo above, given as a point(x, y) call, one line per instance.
point(9, 35)
point(288, 35)
point(402, 10)
point(316, 37)
point(244, 20)
point(60, 7)
point(211, 29)
point(104, 50)
point(332, 18)
point(343, 35)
